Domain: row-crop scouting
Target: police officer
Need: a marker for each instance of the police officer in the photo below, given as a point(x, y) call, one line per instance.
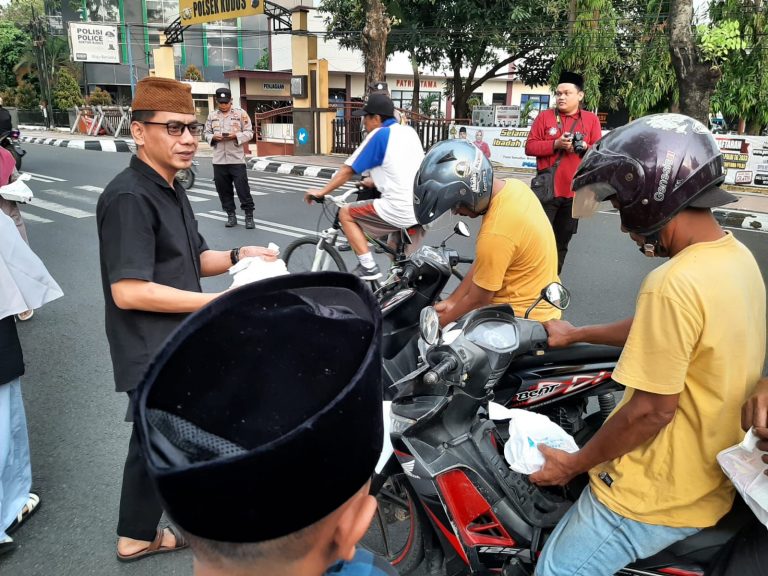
point(226, 130)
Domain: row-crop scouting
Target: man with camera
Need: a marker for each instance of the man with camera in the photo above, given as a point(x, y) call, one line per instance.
point(228, 128)
point(559, 138)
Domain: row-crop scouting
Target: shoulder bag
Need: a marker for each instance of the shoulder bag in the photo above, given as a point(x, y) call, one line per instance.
point(543, 184)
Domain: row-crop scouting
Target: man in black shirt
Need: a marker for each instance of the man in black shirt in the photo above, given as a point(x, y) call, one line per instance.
point(152, 259)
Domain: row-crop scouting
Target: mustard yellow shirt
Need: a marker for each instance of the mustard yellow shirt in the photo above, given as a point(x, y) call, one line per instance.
point(698, 331)
point(516, 254)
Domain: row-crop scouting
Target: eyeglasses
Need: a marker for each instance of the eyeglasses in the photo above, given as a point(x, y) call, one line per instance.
point(177, 128)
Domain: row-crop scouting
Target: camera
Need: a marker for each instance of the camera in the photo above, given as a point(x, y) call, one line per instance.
point(579, 146)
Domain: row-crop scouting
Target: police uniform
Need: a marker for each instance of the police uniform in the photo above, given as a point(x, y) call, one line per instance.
point(229, 157)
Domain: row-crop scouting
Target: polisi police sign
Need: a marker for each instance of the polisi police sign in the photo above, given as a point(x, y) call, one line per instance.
point(94, 42)
point(199, 11)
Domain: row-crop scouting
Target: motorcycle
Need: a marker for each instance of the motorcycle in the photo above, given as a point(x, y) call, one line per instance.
point(186, 176)
point(415, 282)
point(10, 141)
point(446, 494)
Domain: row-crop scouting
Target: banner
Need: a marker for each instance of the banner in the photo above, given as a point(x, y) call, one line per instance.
point(199, 11)
point(507, 145)
point(745, 158)
point(94, 42)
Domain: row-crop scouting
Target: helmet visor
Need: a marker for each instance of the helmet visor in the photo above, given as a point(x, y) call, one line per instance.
point(588, 198)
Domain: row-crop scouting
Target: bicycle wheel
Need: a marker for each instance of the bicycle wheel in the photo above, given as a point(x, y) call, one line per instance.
point(300, 256)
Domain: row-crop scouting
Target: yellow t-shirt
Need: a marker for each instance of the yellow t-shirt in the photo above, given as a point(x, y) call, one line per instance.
point(699, 331)
point(516, 254)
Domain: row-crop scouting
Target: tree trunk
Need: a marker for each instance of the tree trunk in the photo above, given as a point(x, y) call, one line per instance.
point(696, 79)
point(374, 43)
point(416, 85)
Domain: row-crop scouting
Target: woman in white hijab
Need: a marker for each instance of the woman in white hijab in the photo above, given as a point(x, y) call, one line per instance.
point(25, 284)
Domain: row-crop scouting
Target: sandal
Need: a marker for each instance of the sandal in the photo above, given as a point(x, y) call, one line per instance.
point(32, 505)
point(6, 545)
point(26, 315)
point(156, 546)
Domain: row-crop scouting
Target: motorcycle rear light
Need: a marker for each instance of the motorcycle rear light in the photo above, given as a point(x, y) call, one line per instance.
point(15, 133)
point(471, 513)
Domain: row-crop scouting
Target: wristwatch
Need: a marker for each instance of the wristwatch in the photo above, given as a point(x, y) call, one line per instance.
point(234, 255)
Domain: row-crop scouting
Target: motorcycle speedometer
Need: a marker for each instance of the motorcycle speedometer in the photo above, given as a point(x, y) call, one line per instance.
point(494, 335)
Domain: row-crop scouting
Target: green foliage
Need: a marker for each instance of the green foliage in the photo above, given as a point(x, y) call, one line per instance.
point(263, 62)
point(27, 96)
point(13, 43)
point(525, 113)
point(66, 93)
point(20, 12)
point(98, 97)
point(719, 40)
point(428, 104)
point(193, 74)
point(9, 97)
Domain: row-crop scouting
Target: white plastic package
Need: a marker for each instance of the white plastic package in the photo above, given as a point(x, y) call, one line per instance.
point(255, 268)
point(744, 466)
point(526, 431)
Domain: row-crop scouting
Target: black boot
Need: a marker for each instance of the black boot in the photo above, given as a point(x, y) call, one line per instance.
point(249, 225)
point(231, 220)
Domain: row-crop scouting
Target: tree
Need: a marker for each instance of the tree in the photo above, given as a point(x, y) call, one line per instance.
point(27, 96)
point(374, 41)
point(20, 12)
point(98, 97)
point(66, 94)
point(193, 74)
point(13, 44)
point(263, 62)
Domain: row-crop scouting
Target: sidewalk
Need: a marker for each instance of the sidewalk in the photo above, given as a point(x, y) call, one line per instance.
point(750, 212)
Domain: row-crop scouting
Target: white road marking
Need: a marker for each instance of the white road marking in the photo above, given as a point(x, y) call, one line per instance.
point(43, 176)
point(304, 231)
point(89, 188)
point(29, 217)
point(66, 195)
point(259, 227)
point(58, 208)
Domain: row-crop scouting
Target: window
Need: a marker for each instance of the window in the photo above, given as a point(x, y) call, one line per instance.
point(104, 10)
point(162, 11)
point(221, 44)
point(404, 98)
point(540, 101)
point(499, 98)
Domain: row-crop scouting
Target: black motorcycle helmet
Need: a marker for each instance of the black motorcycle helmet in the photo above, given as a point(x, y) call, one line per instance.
point(453, 173)
point(655, 167)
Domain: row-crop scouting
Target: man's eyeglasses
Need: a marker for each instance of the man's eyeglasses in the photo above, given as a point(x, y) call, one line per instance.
point(177, 128)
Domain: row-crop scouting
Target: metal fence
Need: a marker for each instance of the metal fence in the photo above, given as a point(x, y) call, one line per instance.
point(348, 132)
point(35, 117)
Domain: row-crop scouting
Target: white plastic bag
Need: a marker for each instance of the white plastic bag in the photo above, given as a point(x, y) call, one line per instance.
point(256, 268)
point(526, 431)
point(744, 466)
point(17, 191)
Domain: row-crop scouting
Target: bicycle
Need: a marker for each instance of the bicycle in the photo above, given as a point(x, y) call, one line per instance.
point(320, 252)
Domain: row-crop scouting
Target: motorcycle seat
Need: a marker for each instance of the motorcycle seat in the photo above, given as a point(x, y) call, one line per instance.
point(576, 354)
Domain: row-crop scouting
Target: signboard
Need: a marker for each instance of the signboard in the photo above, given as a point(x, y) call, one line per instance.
point(482, 115)
point(274, 86)
point(94, 42)
point(745, 159)
point(199, 11)
point(506, 115)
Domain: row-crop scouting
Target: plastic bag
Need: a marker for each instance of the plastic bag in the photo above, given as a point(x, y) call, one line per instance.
point(256, 268)
point(18, 191)
point(526, 431)
point(744, 466)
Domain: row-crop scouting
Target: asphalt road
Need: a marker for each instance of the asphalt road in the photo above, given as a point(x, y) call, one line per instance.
point(77, 434)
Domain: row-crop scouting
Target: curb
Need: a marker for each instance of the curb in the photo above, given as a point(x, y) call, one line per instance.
point(95, 145)
point(287, 168)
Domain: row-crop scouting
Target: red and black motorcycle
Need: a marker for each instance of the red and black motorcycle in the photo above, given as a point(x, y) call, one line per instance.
point(446, 494)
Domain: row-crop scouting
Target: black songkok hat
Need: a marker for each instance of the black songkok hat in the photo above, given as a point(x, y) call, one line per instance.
point(571, 78)
point(270, 395)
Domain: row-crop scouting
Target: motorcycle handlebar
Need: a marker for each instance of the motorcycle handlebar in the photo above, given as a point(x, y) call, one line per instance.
point(408, 274)
point(438, 372)
point(463, 260)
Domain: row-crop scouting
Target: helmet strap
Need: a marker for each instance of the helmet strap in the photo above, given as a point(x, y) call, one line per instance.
point(653, 247)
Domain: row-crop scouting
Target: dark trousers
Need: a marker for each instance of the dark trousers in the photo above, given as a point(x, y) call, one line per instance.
point(224, 175)
point(140, 508)
point(564, 225)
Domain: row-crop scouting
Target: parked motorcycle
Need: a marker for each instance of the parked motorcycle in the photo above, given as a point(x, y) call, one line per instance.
point(186, 176)
point(446, 492)
point(10, 141)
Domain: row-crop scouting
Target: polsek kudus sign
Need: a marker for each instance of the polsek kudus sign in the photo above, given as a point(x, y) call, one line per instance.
point(94, 43)
point(200, 11)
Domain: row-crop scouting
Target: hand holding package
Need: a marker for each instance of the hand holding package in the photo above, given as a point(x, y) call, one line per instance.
point(526, 431)
point(256, 268)
point(744, 466)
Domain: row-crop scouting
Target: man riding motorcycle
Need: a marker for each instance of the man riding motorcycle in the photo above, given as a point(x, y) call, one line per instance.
point(693, 352)
point(516, 254)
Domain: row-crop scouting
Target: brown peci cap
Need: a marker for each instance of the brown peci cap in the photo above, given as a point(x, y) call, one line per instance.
point(163, 95)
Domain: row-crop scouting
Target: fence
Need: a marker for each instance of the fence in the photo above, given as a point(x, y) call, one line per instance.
point(110, 120)
point(35, 117)
point(348, 131)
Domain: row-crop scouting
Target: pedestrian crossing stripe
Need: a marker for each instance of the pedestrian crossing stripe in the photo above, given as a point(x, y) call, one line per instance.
point(43, 176)
point(215, 216)
point(196, 198)
point(61, 209)
point(90, 189)
point(29, 217)
point(67, 195)
point(303, 231)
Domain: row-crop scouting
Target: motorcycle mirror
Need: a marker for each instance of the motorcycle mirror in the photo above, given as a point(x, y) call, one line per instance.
point(429, 325)
point(557, 295)
point(461, 229)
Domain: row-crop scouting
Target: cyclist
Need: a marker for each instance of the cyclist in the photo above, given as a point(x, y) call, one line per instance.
point(516, 253)
point(391, 153)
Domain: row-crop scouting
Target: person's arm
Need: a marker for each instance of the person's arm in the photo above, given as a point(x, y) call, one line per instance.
point(755, 413)
point(562, 333)
point(215, 262)
point(632, 425)
point(595, 132)
point(208, 131)
point(246, 135)
point(342, 176)
point(130, 294)
point(467, 297)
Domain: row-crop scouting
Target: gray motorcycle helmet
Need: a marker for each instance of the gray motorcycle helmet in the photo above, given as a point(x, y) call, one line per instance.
point(453, 173)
